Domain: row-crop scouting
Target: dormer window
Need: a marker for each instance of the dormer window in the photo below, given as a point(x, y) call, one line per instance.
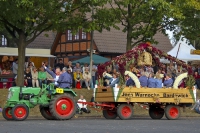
point(80, 35)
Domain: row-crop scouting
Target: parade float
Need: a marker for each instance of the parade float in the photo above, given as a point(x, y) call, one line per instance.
point(120, 100)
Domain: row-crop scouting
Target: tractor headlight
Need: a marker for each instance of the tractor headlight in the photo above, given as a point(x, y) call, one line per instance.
point(10, 94)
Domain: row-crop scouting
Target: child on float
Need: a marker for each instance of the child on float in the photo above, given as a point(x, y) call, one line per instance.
point(158, 80)
point(151, 83)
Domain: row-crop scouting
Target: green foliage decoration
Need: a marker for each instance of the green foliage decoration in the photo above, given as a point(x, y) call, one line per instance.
point(190, 82)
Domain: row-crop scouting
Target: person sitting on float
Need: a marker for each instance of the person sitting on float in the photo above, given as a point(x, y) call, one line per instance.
point(158, 80)
point(151, 83)
point(143, 79)
point(168, 81)
point(107, 75)
point(136, 71)
point(114, 80)
point(174, 75)
point(129, 81)
point(149, 69)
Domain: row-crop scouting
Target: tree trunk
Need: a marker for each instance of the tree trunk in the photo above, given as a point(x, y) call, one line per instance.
point(129, 30)
point(129, 39)
point(21, 59)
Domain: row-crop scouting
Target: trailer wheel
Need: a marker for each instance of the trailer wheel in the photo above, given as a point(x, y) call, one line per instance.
point(63, 107)
point(125, 111)
point(7, 113)
point(109, 114)
point(156, 112)
point(46, 113)
point(172, 112)
point(20, 112)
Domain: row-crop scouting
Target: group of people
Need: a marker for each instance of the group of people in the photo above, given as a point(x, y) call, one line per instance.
point(34, 77)
point(149, 76)
point(81, 74)
point(65, 75)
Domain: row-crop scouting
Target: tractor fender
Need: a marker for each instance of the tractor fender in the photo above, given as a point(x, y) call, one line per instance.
point(70, 91)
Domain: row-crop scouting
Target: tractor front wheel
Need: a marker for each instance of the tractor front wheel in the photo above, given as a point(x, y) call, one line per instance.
point(20, 112)
point(46, 113)
point(125, 111)
point(7, 113)
point(110, 114)
point(63, 107)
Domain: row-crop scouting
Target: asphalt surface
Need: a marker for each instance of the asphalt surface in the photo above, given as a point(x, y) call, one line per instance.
point(101, 125)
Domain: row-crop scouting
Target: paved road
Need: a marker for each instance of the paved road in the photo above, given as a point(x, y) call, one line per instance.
point(101, 125)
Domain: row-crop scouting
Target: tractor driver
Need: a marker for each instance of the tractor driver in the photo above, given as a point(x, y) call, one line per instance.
point(62, 79)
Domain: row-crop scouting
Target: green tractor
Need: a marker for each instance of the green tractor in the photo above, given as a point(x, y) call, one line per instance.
point(54, 104)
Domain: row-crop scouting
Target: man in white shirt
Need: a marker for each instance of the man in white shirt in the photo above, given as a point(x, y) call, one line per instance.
point(82, 106)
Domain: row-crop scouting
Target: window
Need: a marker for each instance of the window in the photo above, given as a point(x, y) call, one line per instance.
point(3, 41)
point(69, 35)
point(76, 36)
point(83, 35)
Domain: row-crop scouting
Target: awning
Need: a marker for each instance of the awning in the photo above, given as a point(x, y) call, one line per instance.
point(96, 58)
point(29, 52)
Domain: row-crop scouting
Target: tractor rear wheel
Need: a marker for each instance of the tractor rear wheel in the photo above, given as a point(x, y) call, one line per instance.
point(7, 113)
point(20, 112)
point(155, 112)
point(125, 111)
point(46, 113)
point(172, 112)
point(109, 114)
point(63, 107)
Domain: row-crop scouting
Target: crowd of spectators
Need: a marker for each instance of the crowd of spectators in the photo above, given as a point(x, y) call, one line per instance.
point(35, 77)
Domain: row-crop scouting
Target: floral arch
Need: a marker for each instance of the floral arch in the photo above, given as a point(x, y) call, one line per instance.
point(135, 53)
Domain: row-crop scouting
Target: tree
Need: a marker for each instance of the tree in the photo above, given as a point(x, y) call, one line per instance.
point(188, 26)
point(27, 19)
point(142, 19)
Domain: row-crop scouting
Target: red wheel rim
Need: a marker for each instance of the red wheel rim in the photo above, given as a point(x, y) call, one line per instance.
point(126, 111)
point(64, 107)
point(20, 112)
point(110, 112)
point(8, 112)
point(173, 112)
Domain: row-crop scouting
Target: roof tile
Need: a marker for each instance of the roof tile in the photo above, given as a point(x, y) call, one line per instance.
point(114, 41)
point(43, 41)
